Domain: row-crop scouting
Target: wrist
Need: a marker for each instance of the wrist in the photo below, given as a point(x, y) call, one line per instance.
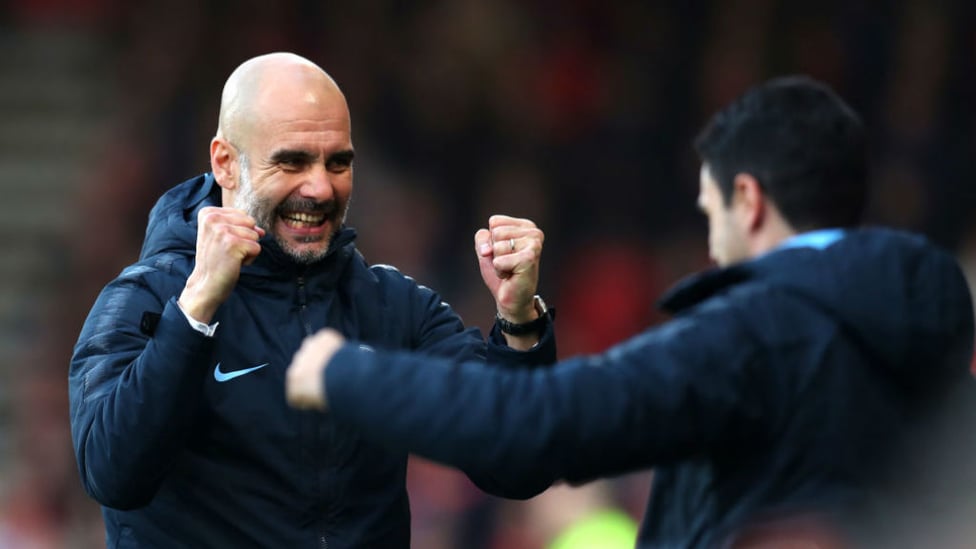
point(526, 311)
point(530, 323)
point(196, 308)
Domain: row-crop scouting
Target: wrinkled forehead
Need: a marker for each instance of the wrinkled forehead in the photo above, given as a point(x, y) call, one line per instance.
point(297, 112)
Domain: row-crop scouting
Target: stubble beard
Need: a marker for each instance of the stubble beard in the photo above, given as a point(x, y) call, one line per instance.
point(264, 214)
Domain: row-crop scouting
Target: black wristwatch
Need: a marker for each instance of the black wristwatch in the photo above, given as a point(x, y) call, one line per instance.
point(531, 327)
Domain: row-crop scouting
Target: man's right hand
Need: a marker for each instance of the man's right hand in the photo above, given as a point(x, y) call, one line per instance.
point(226, 239)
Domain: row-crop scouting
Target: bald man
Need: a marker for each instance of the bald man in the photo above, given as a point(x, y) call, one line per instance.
point(178, 412)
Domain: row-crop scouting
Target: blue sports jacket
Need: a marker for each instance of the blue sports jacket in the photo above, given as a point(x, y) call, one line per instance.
point(187, 441)
point(785, 387)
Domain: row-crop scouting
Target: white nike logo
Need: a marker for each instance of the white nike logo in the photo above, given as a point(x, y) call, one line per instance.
point(222, 376)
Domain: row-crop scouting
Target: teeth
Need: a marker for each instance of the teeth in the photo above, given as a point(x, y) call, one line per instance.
point(305, 218)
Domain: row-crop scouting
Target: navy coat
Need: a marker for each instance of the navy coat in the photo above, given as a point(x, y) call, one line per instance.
point(187, 441)
point(782, 388)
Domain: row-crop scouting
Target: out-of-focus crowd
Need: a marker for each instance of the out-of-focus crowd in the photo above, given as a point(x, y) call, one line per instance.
point(577, 114)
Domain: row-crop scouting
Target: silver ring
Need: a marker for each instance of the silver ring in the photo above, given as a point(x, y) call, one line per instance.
point(511, 242)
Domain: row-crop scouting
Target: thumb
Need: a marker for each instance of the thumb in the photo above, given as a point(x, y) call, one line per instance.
point(485, 253)
point(482, 243)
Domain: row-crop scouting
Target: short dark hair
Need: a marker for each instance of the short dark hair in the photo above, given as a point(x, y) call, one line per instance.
point(804, 145)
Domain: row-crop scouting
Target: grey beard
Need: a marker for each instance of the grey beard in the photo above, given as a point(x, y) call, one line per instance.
point(263, 213)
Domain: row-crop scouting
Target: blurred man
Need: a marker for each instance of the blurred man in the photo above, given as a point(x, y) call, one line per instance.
point(178, 416)
point(771, 408)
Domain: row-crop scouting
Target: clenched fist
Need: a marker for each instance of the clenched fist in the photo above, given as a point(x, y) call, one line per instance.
point(509, 251)
point(226, 240)
point(304, 383)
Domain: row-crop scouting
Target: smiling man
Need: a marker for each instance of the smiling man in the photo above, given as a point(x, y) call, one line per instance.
point(180, 426)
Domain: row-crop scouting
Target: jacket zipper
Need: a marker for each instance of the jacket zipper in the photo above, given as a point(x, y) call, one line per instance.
point(303, 306)
point(307, 326)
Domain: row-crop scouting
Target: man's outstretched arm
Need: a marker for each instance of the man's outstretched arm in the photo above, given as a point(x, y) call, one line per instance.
point(669, 393)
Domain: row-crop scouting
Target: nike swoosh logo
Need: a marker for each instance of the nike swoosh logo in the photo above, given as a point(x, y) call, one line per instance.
point(222, 376)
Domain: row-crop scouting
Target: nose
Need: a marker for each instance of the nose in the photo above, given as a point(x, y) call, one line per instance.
point(318, 185)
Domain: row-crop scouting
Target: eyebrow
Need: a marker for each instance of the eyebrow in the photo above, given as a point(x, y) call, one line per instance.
point(342, 157)
point(297, 156)
point(292, 156)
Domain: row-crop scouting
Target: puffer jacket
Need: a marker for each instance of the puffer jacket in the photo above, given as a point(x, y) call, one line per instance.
point(791, 392)
point(187, 440)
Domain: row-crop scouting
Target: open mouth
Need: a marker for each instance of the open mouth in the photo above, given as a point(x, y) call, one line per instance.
point(303, 220)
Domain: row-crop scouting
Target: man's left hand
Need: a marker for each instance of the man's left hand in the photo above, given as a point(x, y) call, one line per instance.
point(305, 378)
point(508, 255)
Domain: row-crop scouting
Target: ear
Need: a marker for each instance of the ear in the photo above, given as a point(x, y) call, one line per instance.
point(749, 201)
point(223, 163)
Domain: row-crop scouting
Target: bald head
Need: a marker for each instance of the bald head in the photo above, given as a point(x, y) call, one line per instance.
point(283, 151)
point(263, 84)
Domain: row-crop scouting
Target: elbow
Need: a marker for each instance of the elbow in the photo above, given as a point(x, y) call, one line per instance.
point(520, 492)
point(513, 485)
point(111, 474)
point(112, 488)
point(117, 496)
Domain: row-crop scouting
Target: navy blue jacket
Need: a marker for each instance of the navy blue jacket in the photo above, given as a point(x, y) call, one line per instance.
point(782, 387)
point(184, 449)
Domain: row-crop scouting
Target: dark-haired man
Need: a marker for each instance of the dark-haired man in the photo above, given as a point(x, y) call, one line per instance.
point(770, 407)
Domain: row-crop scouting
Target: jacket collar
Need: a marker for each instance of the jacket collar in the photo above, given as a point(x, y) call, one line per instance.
point(696, 288)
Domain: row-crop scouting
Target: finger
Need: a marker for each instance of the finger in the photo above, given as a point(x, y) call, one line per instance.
point(505, 220)
point(251, 251)
point(232, 241)
point(251, 255)
point(233, 232)
point(240, 217)
point(507, 231)
point(517, 262)
point(239, 242)
point(482, 242)
point(212, 216)
point(327, 339)
point(507, 265)
point(505, 246)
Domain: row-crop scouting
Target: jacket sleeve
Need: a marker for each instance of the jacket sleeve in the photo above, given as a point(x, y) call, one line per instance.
point(443, 334)
point(133, 396)
point(543, 354)
point(671, 393)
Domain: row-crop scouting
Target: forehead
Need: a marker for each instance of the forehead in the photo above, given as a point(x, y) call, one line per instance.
point(301, 120)
point(314, 136)
point(706, 182)
point(705, 174)
point(709, 195)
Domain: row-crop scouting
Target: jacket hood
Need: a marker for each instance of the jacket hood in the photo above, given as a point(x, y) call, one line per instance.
point(172, 228)
point(172, 224)
point(903, 301)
